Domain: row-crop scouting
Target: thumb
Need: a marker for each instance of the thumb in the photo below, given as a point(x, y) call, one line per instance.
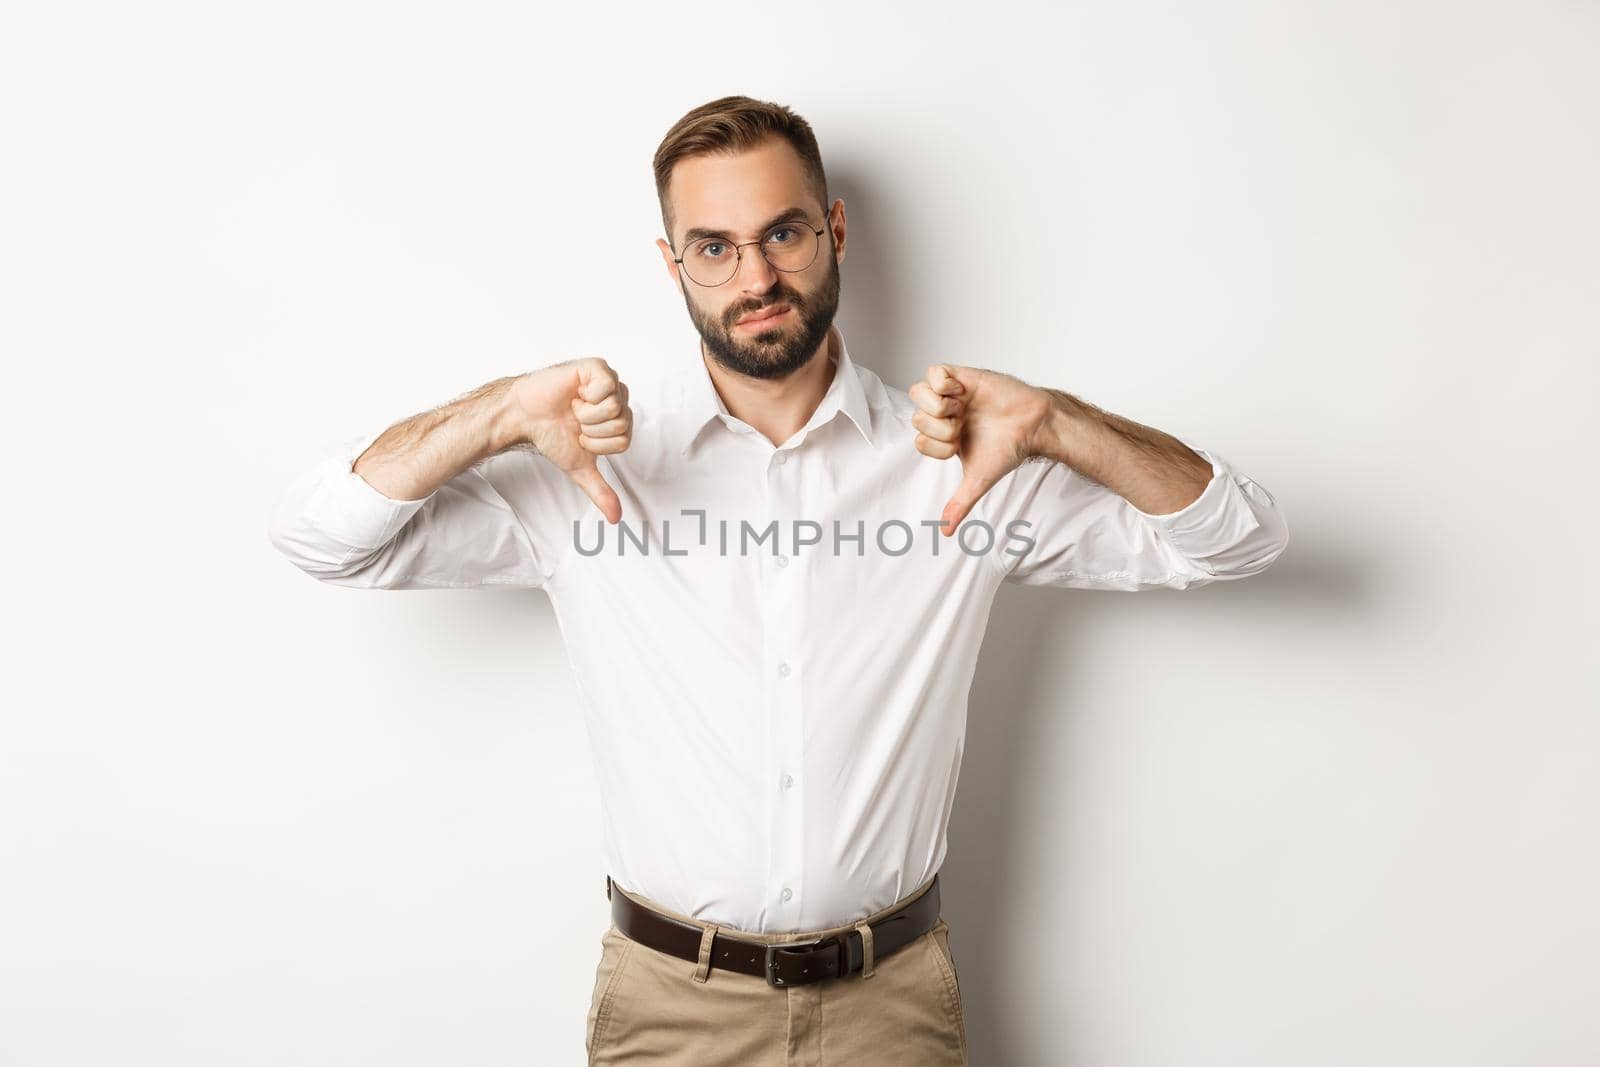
point(595, 487)
point(973, 485)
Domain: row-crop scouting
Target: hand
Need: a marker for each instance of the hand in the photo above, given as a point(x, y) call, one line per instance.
point(572, 412)
point(991, 420)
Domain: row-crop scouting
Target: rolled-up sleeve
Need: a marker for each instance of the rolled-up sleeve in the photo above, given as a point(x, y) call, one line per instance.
point(1055, 527)
point(482, 528)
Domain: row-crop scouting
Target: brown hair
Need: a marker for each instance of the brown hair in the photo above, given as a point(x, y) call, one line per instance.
point(733, 124)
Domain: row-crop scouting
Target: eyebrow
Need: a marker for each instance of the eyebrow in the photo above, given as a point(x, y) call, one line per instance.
point(794, 213)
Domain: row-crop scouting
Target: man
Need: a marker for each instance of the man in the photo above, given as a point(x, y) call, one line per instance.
point(775, 625)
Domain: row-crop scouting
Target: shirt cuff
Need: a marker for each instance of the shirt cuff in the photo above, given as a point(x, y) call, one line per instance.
point(1219, 518)
point(359, 515)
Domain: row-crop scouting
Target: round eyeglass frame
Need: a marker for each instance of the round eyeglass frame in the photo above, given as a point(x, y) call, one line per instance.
point(738, 254)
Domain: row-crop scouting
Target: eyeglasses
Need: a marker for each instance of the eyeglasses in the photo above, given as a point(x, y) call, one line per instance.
point(788, 246)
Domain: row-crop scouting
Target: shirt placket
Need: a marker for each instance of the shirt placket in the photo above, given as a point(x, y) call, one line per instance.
point(785, 670)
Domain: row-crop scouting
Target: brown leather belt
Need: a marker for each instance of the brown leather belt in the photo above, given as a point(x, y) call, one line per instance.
point(781, 964)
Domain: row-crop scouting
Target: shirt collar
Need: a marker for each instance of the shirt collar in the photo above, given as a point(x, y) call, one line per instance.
point(701, 402)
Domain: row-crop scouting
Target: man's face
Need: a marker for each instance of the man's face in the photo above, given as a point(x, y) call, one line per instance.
point(737, 197)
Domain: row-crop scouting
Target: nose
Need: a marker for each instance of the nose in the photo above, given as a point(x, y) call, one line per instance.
point(755, 274)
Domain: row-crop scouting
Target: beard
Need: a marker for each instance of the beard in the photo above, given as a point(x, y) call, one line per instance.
point(782, 349)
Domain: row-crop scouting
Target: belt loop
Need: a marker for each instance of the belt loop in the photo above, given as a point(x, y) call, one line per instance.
point(865, 929)
point(702, 969)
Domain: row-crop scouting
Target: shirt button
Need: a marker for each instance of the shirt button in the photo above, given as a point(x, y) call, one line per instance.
point(783, 670)
point(787, 893)
point(782, 561)
point(788, 780)
point(781, 458)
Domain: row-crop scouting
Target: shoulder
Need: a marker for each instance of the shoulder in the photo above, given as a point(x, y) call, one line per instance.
point(886, 402)
point(658, 400)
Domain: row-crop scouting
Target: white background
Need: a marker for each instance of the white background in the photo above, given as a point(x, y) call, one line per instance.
point(1340, 813)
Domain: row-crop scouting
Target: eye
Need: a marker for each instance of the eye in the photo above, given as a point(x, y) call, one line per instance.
point(781, 231)
point(710, 250)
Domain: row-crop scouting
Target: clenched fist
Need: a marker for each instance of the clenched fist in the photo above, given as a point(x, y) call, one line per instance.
point(575, 411)
point(993, 421)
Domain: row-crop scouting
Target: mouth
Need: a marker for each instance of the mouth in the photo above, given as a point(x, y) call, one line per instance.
point(770, 317)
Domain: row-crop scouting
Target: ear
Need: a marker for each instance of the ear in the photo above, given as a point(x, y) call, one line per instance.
point(667, 258)
point(838, 227)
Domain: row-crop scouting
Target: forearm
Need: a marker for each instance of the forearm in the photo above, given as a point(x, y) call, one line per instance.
point(411, 459)
point(1154, 471)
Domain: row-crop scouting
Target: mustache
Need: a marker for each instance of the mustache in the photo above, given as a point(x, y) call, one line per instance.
point(737, 313)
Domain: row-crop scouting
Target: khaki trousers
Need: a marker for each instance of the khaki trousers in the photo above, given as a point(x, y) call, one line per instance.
point(649, 1007)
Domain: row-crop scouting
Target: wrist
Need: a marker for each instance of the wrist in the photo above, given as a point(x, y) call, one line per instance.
point(1060, 426)
point(508, 422)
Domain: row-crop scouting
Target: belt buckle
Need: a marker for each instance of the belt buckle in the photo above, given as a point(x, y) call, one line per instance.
point(772, 962)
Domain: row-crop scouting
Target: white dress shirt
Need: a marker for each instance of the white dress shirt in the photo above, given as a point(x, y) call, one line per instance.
point(777, 727)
